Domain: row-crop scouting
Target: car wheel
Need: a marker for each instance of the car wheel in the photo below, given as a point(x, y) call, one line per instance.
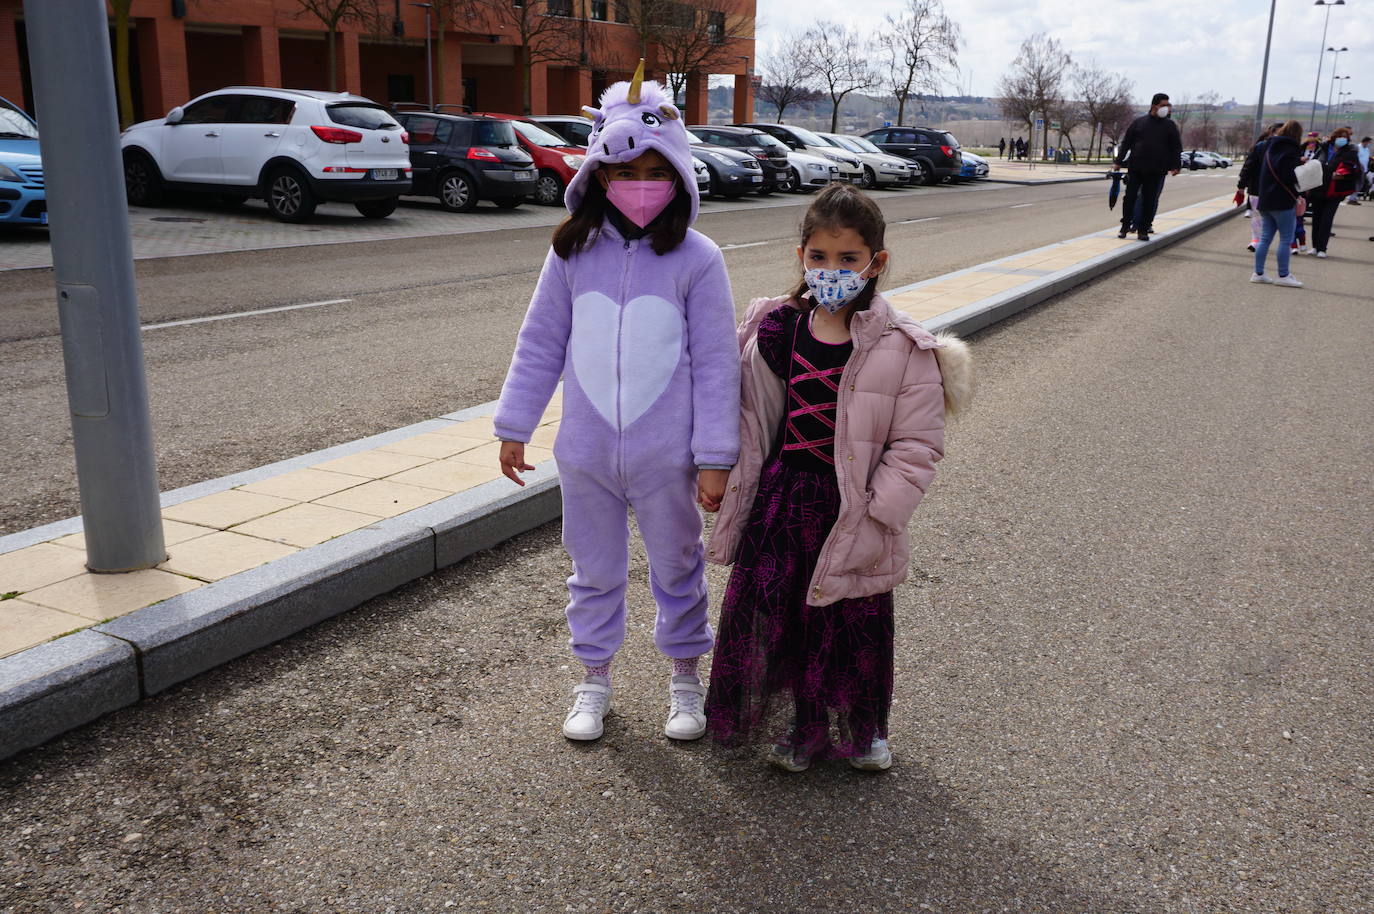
point(456, 193)
point(377, 209)
point(289, 196)
point(788, 182)
point(548, 190)
point(870, 180)
point(918, 173)
point(508, 202)
point(142, 180)
point(766, 189)
point(928, 176)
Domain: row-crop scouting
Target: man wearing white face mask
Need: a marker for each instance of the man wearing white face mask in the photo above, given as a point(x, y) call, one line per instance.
point(1150, 149)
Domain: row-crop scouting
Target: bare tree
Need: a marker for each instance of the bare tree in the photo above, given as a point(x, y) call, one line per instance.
point(842, 66)
point(1097, 88)
point(1035, 83)
point(447, 14)
point(1066, 116)
point(332, 14)
point(545, 31)
point(919, 45)
point(787, 75)
point(1118, 113)
point(1204, 130)
point(1181, 110)
point(695, 37)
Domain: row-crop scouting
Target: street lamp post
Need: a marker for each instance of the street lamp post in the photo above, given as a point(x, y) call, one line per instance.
point(429, 58)
point(1334, 78)
point(1264, 70)
point(1321, 58)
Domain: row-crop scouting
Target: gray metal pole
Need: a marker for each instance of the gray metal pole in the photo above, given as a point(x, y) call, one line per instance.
point(1264, 71)
point(1326, 124)
point(1317, 87)
point(73, 89)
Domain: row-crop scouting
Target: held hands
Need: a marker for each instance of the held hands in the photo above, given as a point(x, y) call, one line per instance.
point(711, 489)
point(513, 461)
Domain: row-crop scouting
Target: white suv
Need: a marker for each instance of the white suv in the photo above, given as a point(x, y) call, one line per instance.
point(293, 148)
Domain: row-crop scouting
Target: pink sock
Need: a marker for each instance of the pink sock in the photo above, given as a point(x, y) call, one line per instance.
point(686, 667)
point(602, 670)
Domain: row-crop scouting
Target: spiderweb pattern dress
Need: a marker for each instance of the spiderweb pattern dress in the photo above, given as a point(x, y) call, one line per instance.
point(816, 678)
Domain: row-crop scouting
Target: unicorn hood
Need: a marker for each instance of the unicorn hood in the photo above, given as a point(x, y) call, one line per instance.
point(635, 116)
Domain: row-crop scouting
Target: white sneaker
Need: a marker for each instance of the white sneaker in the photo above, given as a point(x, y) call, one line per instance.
point(1260, 277)
point(877, 758)
point(1290, 281)
point(1304, 249)
point(686, 720)
point(1321, 253)
point(786, 758)
point(591, 701)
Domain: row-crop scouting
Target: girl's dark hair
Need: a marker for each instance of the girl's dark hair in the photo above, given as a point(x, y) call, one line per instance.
point(575, 232)
point(1291, 129)
point(837, 207)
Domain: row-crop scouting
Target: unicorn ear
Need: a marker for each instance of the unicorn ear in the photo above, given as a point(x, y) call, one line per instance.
point(590, 113)
point(668, 111)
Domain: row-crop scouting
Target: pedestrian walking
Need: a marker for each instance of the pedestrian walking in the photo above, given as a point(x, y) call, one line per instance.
point(1001, 147)
point(1278, 200)
point(1247, 183)
point(633, 311)
point(1151, 149)
point(1362, 153)
point(842, 420)
point(1340, 177)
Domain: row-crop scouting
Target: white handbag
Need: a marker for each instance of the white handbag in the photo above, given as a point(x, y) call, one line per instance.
point(1308, 174)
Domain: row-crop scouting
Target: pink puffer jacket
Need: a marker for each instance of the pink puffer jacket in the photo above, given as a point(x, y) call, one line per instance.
point(894, 394)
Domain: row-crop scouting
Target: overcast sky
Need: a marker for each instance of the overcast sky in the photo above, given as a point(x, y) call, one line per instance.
point(1183, 47)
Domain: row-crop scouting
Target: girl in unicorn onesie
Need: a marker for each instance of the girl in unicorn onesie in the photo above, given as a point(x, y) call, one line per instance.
point(633, 311)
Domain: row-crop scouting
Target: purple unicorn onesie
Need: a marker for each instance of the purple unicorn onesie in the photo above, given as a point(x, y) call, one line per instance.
point(645, 345)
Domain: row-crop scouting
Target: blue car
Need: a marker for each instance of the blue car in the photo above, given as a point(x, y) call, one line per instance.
point(22, 200)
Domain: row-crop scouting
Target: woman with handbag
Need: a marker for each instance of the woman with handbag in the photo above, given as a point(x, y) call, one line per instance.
point(1340, 177)
point(1278, 196)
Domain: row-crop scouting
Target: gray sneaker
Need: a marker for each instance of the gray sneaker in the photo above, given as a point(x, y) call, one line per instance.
point(877, 758)
point(786, 758)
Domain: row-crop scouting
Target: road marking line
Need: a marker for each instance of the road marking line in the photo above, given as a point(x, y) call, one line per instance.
point(910, 221)
point(1021, 205)
point(225, 317)
point(747, 244)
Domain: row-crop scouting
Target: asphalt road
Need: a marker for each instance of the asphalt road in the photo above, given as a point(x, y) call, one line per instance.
point(1132, 676)
point(428, 328)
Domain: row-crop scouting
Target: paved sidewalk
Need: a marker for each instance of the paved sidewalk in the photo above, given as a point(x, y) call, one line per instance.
point(1009, 172)
point(242, 542)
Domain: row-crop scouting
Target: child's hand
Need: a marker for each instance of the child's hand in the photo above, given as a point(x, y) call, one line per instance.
point(711, 488)
point(513, 461)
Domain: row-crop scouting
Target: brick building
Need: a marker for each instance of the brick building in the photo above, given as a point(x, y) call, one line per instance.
point(182, 48)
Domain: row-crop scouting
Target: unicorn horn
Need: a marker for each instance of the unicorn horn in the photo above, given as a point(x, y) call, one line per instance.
point(636, 84)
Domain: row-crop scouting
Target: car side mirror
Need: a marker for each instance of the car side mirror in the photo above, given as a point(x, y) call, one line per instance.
point(175, 115)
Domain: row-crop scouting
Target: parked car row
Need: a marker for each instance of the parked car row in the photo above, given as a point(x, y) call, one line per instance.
point(23, 200)
point(1193, 159)
point(298, 148)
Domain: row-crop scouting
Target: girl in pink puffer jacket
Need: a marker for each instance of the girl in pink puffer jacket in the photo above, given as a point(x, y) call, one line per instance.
point(842, 420)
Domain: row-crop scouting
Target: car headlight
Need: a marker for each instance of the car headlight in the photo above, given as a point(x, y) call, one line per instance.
point(832, 157)
point(9, 174)
point(817, 166)
point(574, 162)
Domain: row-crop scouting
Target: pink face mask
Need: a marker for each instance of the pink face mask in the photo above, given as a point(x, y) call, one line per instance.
point(641, 201)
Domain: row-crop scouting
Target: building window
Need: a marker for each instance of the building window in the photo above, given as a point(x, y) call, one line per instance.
point(599, 10)
point(715, 26)
point(622, 10)
point(559, 7)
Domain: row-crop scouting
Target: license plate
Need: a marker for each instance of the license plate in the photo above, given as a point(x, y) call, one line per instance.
point(523, 175)
point(756, 179)
point(384, 174)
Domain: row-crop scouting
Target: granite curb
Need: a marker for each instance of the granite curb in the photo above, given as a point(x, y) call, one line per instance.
point(77, 678)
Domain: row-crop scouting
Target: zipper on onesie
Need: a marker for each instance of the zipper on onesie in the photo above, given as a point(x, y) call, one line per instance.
point(620, 360)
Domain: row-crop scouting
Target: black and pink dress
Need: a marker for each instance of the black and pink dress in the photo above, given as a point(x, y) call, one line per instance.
point(828, 664)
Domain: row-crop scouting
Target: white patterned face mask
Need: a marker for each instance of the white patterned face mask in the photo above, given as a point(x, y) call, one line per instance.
point(833, 289)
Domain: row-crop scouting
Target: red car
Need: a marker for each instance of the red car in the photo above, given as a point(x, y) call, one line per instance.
point(556, 161)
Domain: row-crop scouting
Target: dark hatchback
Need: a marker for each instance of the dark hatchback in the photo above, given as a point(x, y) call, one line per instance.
point(770, 151)
point(935, 150)
point(464, 158)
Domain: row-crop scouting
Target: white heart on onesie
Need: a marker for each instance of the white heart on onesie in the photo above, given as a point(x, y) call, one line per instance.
point(631, 378)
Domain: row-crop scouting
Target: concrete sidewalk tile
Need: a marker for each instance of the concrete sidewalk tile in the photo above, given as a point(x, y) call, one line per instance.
point(373, 464)
point(22, 625)
point(222, 554)
point(305, 525)
point(1000, 282)
point(452, 475)
point(225, 509)
point(545, 435)
point(38, 566)
point(173, 532)
point(435, 445)
point(103, 596)
point(383, 498)
point(480, 429)
point(304, 485)
point(490, 454)
point(927, 310)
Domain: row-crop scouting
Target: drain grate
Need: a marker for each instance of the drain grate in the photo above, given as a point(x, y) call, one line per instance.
point(176, 219)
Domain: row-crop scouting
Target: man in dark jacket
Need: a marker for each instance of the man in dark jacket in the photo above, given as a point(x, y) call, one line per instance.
point(1150, 149)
